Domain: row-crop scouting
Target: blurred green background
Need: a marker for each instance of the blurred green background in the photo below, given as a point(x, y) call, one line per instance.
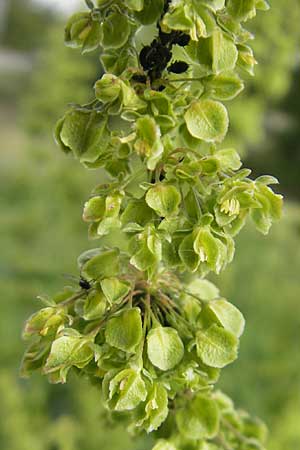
point(41, 231)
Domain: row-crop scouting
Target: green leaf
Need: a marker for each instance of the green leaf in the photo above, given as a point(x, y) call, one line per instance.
point(225, 86)
point(178, 19)
point(164, 347)
point(107, 225)
point(114, 289)
point(77, 29)
point(94, 306)
point(241, 10)
point(209, 165)
point(209, 249)
point(137, 211)
point(271, 208)
point(261, 221)
point(115, 30)
point(262, 5)
point(125, 390)
point(34, 358)
point(103, 265)
point(151, 11)
point(131, 100)
point(207, 120)
point(266, 179)
point(163, 444)
point(94, 209)
point(87, 255)
point(224, 52)
point(136, 5)
point(57, 132)
point(148, 141)
point(274, 200)
point(203, 289)
point(84, 133)
point(117, 60)
point(200, 419)
point(216, 346)
point(169, 254)
point(156, 408)
point(229, 159)
point(187, 253)
point(192, 18)
point(147, 249)
point(228, 316)
point(215, 4)
point(93, 39)
point(246, 60)
point(108, 88)
point(164, 199)
point(124, 331)
point(113, 204)
point(139, 175)
point(38, 322)
point(143, 259)
point(68, 351)
point(191, 307)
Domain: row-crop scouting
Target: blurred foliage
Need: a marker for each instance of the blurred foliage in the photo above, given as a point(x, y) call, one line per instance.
point(25, 25)
point(276, 48)
point(41, 233)
point(281, 147)
point(61, 419)
point(60, 76)
point(264, 283)
point(23, 29)
point(286, 434)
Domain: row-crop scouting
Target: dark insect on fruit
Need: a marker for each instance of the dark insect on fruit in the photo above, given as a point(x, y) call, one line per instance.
point(165, 38)
point(139, 78)
point(178, 67)
point(155, 56)
point(175, 37)
point(182, 39)
point(166, 6)
point(84, 284)
point(146, 56)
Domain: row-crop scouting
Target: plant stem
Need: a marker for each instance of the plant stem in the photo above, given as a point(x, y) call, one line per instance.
point(73, 298)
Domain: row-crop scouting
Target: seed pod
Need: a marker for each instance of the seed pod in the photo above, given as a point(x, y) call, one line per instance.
point(82, 32)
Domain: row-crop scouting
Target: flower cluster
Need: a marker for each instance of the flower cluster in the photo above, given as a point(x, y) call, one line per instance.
point(149, 346)
point(144, 324)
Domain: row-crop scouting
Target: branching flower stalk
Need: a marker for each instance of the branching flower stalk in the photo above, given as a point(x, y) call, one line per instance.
point(145, 325)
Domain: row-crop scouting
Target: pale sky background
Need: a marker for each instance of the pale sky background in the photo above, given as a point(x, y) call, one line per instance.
point(65, 5)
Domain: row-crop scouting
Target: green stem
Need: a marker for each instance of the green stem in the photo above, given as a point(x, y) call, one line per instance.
point(72, 299)
point(236, 432)
point(220, 440)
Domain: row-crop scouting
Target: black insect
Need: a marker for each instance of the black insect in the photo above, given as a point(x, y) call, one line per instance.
point(174, 37)
point(182, 39)
point(139, 78)
point(155, 56)
point(165, 38)
point(178, 67)
point(166, 6)
point(84, 284)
